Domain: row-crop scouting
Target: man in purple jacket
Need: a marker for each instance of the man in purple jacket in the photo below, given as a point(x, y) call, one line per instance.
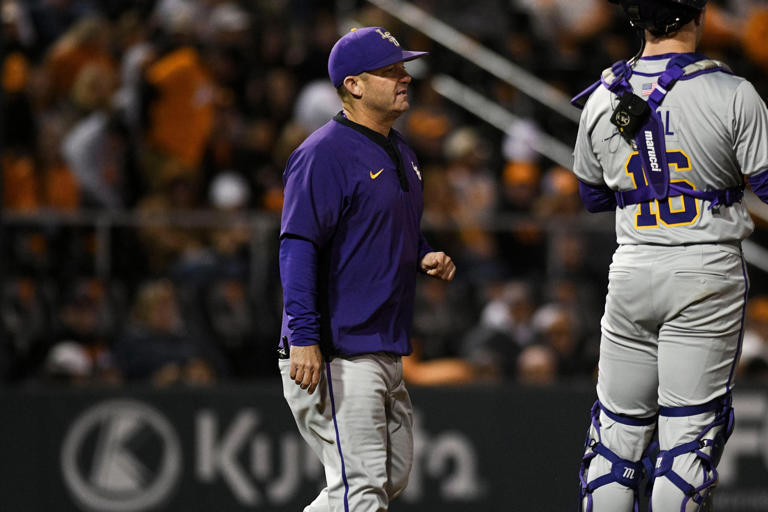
point(350, 249)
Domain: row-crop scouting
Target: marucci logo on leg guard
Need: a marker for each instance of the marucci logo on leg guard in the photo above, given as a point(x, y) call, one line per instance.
point(121, 456)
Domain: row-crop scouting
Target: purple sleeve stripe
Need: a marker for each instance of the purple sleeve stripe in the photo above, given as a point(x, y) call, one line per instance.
point(759, 185)
point(298, 275)
point(597, 198)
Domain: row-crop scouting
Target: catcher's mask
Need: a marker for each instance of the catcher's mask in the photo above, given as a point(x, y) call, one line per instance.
point(661, 17)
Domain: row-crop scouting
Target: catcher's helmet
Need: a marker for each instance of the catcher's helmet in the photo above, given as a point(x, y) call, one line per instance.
point(661, 17)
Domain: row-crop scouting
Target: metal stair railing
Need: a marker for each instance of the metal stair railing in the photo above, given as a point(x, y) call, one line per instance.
point(481, 56)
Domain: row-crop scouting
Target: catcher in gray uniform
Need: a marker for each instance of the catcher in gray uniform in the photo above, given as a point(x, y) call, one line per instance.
point(668, 140)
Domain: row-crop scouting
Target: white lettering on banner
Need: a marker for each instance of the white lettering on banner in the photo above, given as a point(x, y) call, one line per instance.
point(283, 488)
point(261, 457)
point(259, 468)
point(449, 457)
point(218, 456)
point(214, 456)
point(125, 456)
point(116, 474)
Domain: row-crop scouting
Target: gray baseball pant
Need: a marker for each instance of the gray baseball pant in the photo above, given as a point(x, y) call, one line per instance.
point(359, 422)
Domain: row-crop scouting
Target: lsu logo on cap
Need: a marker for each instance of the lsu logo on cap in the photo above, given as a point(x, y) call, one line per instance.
point(387, 35)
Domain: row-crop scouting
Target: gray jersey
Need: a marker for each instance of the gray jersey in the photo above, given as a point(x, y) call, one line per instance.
point(716, 130)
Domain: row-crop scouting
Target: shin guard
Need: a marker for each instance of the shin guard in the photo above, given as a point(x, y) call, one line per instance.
point(602, 464)
point(706, 449)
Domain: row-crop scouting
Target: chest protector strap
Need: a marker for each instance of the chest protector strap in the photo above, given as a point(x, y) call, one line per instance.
point(641, 124)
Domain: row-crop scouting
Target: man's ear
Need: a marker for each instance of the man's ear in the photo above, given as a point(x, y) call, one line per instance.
point(699, 19)
point(352, 84)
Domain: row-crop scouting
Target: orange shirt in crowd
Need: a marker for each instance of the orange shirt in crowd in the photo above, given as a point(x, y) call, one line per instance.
point(21, 188)
point(182, 116)
point(61, 190)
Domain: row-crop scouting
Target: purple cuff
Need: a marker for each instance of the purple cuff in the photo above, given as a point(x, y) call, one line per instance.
point(597, 198)
point(759, 185)
point(424, 248)
point(298, 275)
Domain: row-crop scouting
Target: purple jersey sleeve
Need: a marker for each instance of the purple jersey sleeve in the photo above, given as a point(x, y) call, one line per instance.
point(298, 275)
point(759, 185)
point(313, 196)
point(597, 198)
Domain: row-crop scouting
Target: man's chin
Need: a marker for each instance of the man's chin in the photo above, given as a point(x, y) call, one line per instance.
point(402, 105)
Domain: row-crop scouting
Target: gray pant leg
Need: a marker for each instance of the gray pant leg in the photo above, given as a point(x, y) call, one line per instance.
point(370, 414)
point(698, 348)
point(627, 381)
point(320, 503)
point(314, 420)
point(400, 441)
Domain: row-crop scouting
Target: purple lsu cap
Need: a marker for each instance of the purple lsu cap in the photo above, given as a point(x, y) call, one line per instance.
point(365, 49)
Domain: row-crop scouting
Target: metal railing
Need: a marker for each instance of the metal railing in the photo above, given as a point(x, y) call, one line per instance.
point(501, 118)
point(264, 228)
point(478, 54)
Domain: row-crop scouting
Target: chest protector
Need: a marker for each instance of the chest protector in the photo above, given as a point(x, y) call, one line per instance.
point(640, 124)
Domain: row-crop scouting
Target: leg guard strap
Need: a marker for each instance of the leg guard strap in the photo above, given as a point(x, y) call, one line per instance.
point(624, 472)
point(709, 459)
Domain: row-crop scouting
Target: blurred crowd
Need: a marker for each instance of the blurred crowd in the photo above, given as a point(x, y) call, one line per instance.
point(156, 131)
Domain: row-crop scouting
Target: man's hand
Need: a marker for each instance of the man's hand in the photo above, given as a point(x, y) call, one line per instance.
point(306, 366)
point(438, 264)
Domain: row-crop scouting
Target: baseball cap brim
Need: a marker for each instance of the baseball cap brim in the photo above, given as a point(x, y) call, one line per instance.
point(392, 59)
